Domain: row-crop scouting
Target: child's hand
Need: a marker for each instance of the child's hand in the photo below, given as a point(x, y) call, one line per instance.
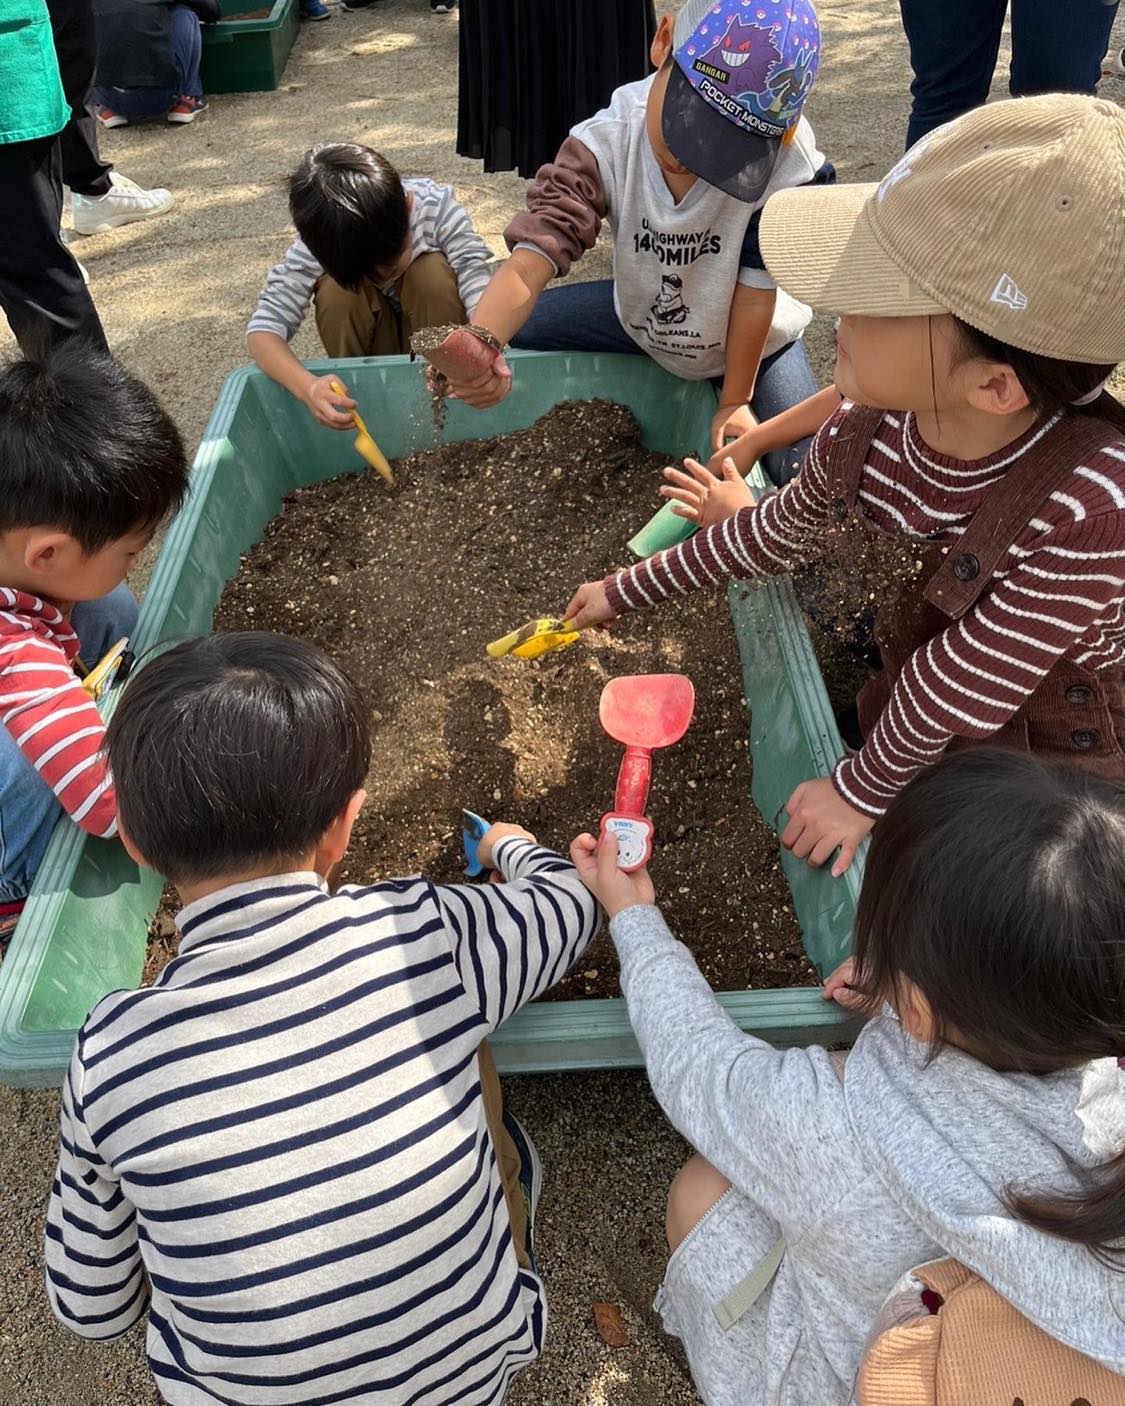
point(612, 887)
point(486, 390)
point(488, 842)
point(743, 453)
point(704, 499)
point(731, 422)
point(839, 987)
point(329, 406)
point(590, 606)
point(821, 821)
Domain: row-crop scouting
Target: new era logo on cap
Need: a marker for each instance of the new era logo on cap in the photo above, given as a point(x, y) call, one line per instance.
point(1007, 293)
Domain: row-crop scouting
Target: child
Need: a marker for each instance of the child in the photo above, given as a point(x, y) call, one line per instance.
point(955, 278)
point(148, 59)
point(680, 164)
point(980, 1115)
point(90, 465)
point(295, 1137)
point(378, 256)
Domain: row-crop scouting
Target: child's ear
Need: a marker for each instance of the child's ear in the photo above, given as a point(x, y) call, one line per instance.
point(333, 844)
point(995, 388)
point(662, 41)
point(130, 848)
point(45, 550)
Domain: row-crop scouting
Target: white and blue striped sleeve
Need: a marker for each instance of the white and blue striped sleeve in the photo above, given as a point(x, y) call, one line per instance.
point(468, 254)
point(289, 289)
point(95, 1279)
point(515, 940)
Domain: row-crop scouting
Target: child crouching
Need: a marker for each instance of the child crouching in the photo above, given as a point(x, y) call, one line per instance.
point(294, 1139)
point(981, 1114)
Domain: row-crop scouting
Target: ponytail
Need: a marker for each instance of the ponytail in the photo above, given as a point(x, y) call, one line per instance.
point(1094, 1218)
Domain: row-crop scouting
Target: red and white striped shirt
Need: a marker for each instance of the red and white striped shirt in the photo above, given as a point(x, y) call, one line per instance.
point(1060, 592)
point(52, 718)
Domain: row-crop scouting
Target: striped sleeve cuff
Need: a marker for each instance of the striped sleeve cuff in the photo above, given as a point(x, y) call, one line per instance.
point(850, 787)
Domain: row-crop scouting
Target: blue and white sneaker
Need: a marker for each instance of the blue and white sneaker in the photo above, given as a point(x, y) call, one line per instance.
point(315, 10)
point(531, 1178)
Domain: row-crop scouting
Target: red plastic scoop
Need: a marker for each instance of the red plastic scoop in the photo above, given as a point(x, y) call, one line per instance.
point(460, 355)
point(643, 711)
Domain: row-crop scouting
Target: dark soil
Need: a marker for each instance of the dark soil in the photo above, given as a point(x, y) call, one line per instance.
point(404, 588)
point(263, 12)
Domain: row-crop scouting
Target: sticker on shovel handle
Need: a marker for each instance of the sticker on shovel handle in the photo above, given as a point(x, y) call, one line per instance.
point(634, 839)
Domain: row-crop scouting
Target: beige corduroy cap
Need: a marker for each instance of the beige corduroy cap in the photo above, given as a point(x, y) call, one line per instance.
point(1012, 217)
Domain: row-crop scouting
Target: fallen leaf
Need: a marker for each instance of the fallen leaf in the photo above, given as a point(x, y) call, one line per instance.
point(610, 1325)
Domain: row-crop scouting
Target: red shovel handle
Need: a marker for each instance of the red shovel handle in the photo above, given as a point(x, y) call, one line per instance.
point(632, 781)
point(462, 356)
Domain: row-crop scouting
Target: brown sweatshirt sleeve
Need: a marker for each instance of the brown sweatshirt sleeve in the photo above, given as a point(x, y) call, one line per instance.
point(565, 207)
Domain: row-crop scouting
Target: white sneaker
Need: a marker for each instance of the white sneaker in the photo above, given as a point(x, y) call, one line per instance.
point(121, 205)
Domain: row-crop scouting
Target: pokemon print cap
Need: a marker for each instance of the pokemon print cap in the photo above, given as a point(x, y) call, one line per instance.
point(1012, 218)
point(740, 74)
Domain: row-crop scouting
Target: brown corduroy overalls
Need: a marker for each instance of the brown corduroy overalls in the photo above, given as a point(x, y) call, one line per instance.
point(1076, 715)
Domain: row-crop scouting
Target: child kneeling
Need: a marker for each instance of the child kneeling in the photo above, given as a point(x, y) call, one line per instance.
point(980, 1115)
point(294, 1139)
point(90, 465)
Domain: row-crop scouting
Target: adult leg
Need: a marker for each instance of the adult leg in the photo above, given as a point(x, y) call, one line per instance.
point(187, 50)
point(41, 288)
point(355, 323)
point(507, 1157)
point(784, 379)
point(576, 317)
point(953, 48)
point(72, 23)
point(1058, 48)
point(428, 294)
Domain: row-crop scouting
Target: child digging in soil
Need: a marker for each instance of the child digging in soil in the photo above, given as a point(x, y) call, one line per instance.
point(681, 165)
point(379, 258)
point(974, 345)
point(89, 466)
point(295, 1138)
point(981, 1114)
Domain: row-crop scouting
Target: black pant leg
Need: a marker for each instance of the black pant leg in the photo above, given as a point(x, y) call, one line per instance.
point(41, 288)
point(72, 24)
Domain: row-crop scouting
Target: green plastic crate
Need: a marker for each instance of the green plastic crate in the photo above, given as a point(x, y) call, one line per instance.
point(83, 931)
point(249, 55)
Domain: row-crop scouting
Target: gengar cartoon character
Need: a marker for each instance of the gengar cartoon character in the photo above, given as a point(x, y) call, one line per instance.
point(747, 52)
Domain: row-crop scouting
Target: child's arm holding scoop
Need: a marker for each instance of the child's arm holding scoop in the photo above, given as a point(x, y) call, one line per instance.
point(272, 354)
point(763, 1117)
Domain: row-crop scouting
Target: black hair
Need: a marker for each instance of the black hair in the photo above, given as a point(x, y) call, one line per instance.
point(1051, 385)
point(350, 208)
point(996, 885)
point(235, 751)
point(85, 447)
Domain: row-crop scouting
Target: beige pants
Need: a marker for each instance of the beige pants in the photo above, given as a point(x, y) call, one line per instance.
point(366, 323)
point(507, 1158)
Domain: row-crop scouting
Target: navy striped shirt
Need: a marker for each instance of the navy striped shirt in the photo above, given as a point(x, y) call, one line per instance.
point(283, 1141)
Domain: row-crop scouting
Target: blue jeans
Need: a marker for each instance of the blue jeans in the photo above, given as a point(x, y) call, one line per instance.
point(187, 50)
point(28, 808)
point(581, 317)
point(1057, 47)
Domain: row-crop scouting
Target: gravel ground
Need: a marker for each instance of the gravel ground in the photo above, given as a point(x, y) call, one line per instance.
point(174, 295)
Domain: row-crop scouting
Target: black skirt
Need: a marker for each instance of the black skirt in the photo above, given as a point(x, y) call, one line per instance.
point(530, 69)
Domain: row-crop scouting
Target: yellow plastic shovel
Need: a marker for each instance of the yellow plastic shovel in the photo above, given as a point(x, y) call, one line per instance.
point(365, 446)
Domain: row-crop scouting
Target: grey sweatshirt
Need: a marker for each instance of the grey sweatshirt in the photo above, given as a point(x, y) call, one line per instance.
point(893, 1165)
point(437, 224)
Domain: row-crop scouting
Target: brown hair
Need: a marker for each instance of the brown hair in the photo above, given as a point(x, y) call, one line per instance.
point(1051, 385)
point(996, 886)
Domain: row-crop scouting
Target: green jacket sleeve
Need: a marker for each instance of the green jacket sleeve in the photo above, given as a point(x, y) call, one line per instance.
point(31, 93)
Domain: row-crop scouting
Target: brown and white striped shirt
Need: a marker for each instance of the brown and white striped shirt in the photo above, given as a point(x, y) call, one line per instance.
point(1059, 594)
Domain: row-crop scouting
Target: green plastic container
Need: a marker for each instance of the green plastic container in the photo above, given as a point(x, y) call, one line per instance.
point(83, 931)
point(249, 55)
